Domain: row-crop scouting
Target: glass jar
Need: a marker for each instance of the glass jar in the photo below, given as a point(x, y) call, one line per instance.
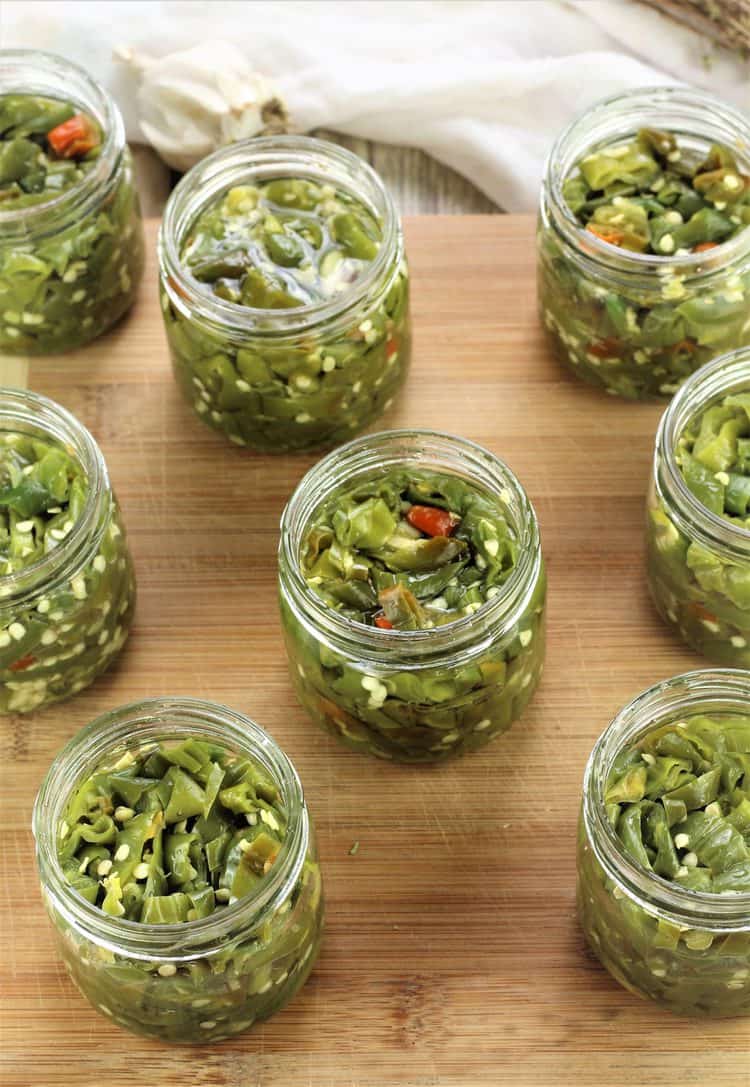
point(282, 380)
point(631, 323)
point(422, 695)
point(698, 563)
point(196, 981)
point(688, 950)
point(65, 618)
point(70, 266)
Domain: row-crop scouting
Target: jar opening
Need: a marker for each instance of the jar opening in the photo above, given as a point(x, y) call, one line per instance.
point(727, 374)
point(35, 415)
point(697, 120)
point(267, 158)
point(375, 454)
point(719, 691)
point(142, 723)
point(36, 72)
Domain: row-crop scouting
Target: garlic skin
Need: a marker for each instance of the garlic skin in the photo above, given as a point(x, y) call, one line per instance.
point(192, 102)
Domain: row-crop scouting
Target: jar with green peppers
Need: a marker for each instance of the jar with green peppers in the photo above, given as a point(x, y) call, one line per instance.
point(284, 292)
point(643, 241)
point(412, 591)
point(664, 845)
point(71, 236)
point(178, 866)
point(67, 587)
point(698, 512)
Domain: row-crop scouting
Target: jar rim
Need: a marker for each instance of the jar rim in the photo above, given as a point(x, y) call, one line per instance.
point(264, 156)
point(151, 719)
point(390, 448)
point(625, 106)
point(31, 413)
point(692, 692)
point(71, 203)
point(730, 371)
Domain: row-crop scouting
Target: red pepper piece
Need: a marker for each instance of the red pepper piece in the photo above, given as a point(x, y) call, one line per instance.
point(684, 345)
point(432, 521)
point(703, 246)
point(606, 233)
point(74, 137)
point(383, 623)
point(391, 347)
point(606, 349)
point(701, 612)
point(22, 663)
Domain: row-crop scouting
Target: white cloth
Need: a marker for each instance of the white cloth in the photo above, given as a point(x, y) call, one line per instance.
point(482, 86)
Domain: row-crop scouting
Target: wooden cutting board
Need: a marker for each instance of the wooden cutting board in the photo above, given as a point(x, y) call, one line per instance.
point(452, 956)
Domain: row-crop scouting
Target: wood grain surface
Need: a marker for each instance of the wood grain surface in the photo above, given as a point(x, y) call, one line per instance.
point(419, 184)
point(452, 956)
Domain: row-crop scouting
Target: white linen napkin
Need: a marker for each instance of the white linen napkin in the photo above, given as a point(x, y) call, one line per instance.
point(483, 86)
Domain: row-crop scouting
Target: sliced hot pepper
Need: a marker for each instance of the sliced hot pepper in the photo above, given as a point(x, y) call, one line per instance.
point(701, 612)
point(73, 138)
point(606, 234)
point(22, 663)
point(606, 349)
point(432, 521)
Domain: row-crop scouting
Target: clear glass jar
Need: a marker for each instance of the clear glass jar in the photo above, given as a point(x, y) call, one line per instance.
point(631, 323)
point(281, 380)
point(197, 981)
point(687, 950)
point(698, 563)
point(447, 690)
point(64, 619)
point(70, 266)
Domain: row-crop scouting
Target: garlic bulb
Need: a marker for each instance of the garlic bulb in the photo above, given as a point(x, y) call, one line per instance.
point(191, 102)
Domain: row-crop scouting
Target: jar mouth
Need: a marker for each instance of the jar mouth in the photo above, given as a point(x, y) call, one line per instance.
point(719, 690)
point(265, 158)
point(375, 454)
point(690, 114)
point(33, 71)
point(147, 721)
point(726, 374)
point(35, 415)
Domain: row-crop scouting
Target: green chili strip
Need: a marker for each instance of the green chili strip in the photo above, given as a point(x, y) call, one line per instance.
point(409, 549)
point(679, 801)
point(655, 195)
point(42, 495)
point(46, 147)
point(713, 455)
point(172, 833)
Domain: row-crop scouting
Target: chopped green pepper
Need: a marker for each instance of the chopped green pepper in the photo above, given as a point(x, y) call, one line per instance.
point(57, 643)
point(410, 550)
point(285, 245)
point(654, 195)
point(191, 829)
point(659, 197)
point(685, 822)
point(700, 591)
point(70, 281)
